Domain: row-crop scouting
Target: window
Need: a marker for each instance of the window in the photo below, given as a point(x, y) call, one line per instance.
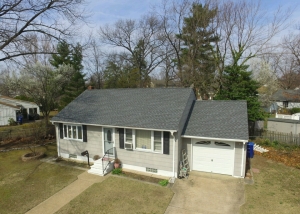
point(143, 139)
point(203, 143)
point(73, 132)
point(128, 138)
point(149, 140)
point(157, 141)
point(221, 144)
point(285, 104)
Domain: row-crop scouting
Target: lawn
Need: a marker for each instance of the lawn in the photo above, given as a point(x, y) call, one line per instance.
point(24, 185)
point(121, 195)
point(276, 188)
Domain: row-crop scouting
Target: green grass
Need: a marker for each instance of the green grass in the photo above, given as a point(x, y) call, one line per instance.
point(120, 195)
point(276, 189)
point(24, 185)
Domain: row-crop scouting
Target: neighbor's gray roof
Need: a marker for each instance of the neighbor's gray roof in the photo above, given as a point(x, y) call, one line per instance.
point(155, 108)
point(286, 95)
point(218, 119)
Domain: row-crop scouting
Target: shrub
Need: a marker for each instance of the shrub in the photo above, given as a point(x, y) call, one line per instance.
point(163, 182)
point(96, 157)
point(295, 110)
point(117, 171)
point(12, 122)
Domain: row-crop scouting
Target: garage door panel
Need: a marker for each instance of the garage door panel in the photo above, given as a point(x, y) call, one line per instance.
point(213, 158)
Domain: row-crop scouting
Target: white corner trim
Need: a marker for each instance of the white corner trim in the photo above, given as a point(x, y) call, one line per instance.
point(214, 139)
point(243, 161)
point(172, 134)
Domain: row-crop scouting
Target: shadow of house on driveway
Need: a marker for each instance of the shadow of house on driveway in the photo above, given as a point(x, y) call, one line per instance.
point(207, 193)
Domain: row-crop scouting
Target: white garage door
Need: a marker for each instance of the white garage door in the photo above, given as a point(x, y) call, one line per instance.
point(215, 157)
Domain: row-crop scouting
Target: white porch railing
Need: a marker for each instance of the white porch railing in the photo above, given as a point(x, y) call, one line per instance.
point(290, 117)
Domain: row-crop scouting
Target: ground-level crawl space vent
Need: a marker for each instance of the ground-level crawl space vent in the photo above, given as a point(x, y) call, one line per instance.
point(72, 156)
point(151, 170)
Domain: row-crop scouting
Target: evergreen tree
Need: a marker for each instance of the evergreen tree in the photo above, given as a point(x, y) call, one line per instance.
point(72, 57)
point(237, 84)
point(197, 51)
point(140, 65)
point(63, 55)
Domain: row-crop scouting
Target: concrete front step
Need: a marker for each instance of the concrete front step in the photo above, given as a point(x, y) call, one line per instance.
point(97, 168)
point(96, 172)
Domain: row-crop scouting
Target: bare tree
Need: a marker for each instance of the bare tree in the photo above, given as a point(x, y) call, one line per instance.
point(142, 39)
point(95, 65)
point(246, 29)
point(20, 19)
point(172, 13)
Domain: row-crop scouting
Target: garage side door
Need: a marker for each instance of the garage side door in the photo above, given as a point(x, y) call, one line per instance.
point(215, 157)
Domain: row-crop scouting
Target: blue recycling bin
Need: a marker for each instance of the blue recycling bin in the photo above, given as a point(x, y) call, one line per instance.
point(20, 119)
point(250, 149)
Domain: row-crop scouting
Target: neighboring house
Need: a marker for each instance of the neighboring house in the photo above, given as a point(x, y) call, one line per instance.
point(10, 108)
point(149, 127)
point(286, 99)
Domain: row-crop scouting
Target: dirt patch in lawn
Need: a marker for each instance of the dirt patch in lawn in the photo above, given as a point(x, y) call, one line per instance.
point(287, 156)
point(119, 195)
point(276, 188)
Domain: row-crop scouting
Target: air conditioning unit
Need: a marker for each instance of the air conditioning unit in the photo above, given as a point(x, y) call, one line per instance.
point(128, 145)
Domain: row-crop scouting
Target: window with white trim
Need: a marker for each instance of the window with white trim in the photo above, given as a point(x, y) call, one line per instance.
point(129, 133)
point(149, 140)
point(73, 132)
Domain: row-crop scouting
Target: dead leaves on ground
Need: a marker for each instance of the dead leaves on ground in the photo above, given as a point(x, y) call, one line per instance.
point(287, 157)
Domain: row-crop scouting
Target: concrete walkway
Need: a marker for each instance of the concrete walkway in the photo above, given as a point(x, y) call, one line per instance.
point(207, 193)
point(64, 196)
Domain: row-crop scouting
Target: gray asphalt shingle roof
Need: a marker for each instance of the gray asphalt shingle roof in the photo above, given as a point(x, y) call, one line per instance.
point(153, 108)
point(286, 95)
point(218, 119)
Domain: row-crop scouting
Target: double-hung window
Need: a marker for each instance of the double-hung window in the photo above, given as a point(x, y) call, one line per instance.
point(128, 138)
point(157, 141)
point(73, 132)
point(149, 140)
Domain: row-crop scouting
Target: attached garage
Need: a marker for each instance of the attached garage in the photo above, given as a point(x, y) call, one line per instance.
point(213, 156)
point(215, 137)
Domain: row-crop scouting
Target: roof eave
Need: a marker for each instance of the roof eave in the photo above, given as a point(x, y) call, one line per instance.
point(212, 138)
point(115, 126)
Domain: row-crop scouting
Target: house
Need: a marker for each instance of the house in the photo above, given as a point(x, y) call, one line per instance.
point(147, 129)
point(286, 99)
point(10, 108)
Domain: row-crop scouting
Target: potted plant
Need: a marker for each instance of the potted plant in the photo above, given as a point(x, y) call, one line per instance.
point(117, 163)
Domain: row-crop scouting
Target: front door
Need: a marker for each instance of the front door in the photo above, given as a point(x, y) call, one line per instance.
point(108, 140)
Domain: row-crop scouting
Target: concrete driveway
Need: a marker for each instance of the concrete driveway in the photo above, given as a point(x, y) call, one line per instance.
point(207, 193)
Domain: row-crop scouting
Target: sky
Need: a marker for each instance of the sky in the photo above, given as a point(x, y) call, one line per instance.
point(109, 11)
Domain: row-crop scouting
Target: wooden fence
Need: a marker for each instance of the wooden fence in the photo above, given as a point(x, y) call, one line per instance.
point(293, 139)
